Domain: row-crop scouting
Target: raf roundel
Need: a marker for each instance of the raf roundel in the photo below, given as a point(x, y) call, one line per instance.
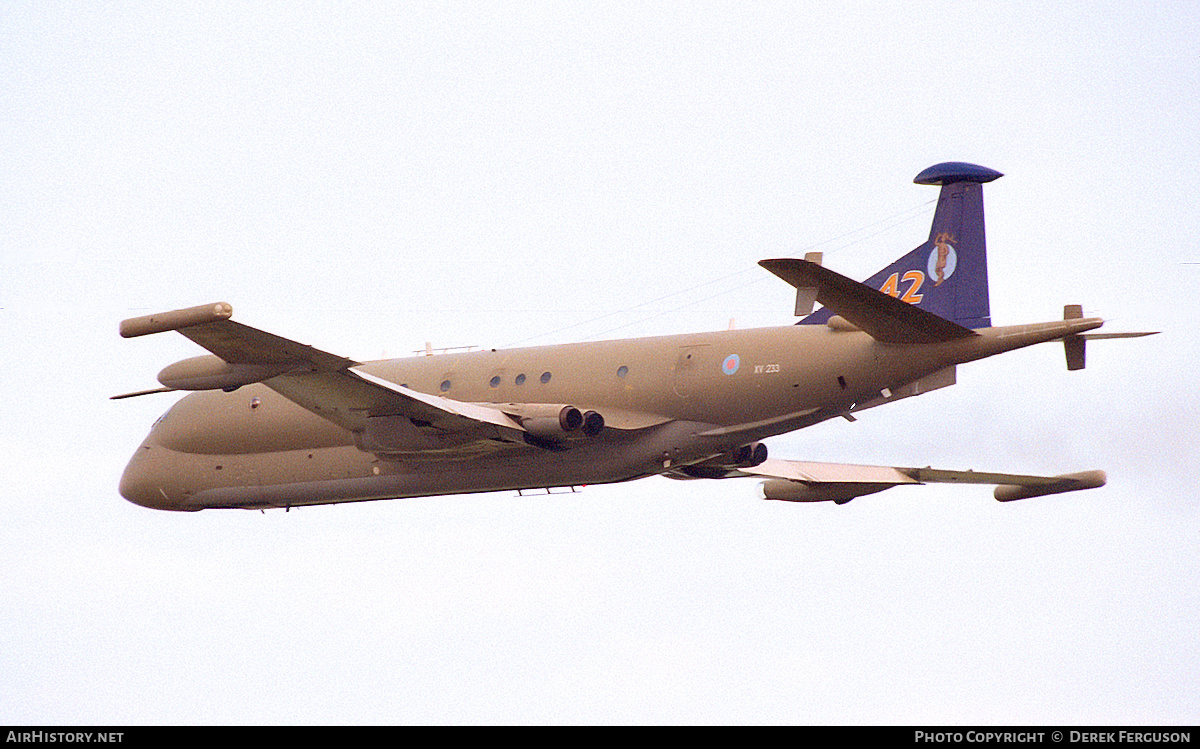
point(731, 364)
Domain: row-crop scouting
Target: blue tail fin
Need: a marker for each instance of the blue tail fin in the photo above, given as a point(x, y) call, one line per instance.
point(947, 275)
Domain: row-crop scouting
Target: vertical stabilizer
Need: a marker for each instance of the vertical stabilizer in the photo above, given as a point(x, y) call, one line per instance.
point(947, 275)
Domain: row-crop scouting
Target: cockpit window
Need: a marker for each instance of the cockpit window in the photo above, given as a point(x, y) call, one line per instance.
point(163, 418)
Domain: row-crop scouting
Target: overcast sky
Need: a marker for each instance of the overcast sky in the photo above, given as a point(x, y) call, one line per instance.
point(368, 177)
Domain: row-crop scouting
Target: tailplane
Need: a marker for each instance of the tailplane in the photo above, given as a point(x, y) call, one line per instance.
point(947, 275)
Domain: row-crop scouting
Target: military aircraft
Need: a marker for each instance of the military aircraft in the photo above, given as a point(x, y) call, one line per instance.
point(274, 423)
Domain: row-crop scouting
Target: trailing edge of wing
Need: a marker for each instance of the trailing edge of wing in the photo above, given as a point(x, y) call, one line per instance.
point(881, 316)
point(799, 481)
point(438, 407)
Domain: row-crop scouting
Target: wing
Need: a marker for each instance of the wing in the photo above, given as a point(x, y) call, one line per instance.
point(388, 415)
point(388, 418)
point(797, 481)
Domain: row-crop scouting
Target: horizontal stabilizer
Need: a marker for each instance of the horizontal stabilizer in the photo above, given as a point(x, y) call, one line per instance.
point(1076, 345)
point(1107, 336)
point(883, 317)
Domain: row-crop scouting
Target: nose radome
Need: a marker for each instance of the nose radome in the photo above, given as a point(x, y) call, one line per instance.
point(140, 483)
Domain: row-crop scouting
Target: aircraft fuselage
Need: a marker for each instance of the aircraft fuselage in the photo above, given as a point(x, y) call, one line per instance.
point(667, 401)
point(276, 423)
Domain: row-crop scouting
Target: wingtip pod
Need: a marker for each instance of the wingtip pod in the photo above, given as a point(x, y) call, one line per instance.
point(1068, 482)
point(161, 322)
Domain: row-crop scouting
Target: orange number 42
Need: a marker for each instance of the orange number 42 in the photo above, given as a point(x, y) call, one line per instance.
point(914, 279)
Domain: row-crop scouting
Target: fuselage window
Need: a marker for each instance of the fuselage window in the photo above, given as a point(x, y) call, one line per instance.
point(622, 371)
point(445, 385)
point(520, 379)
point(545, 377)
point(495, 381)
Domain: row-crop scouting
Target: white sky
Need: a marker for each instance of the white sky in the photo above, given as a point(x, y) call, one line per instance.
point(366, 177)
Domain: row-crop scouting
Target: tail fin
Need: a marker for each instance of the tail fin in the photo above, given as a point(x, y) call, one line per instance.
point(947, 275)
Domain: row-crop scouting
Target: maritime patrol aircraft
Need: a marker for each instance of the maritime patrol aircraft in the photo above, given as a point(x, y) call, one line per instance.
point(272, 423)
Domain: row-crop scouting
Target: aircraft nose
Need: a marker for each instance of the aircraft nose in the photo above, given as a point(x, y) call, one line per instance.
point(141, 482)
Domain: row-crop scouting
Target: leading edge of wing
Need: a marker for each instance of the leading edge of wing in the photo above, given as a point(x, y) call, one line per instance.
point(881, 316)
point(806, 481)
point(209, 326)
point(241, 344)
